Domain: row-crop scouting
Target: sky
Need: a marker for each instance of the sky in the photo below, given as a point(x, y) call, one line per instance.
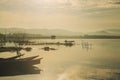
point(74, 15)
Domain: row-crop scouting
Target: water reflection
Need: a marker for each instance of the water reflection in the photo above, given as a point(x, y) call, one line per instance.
point(82, 61)
point(65, 43)
point(85, 73)
point(86, 45)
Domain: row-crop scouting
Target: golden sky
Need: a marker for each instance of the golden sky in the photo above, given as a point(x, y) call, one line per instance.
point(76, 15)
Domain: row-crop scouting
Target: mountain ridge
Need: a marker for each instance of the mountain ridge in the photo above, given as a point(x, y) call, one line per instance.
point(59, 32)
point(44, 32)
point(113, 32)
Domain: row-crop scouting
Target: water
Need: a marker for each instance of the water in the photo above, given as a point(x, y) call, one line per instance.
point(99, 60)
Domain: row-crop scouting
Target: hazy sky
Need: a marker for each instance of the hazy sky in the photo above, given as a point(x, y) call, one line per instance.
point(77, 15)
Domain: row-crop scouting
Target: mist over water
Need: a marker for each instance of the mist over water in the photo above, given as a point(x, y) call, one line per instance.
point(98, 61)
point(83, 73)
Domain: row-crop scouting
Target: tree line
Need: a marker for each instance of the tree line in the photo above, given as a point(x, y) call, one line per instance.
point(17, 38)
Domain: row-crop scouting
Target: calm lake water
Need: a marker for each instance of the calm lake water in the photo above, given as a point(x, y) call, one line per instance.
point(99, 60)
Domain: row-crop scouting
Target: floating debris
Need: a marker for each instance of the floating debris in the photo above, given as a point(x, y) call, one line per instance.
point(28, 48)
point(48, 49)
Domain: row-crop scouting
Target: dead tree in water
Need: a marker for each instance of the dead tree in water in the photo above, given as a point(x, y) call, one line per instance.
point(19, 39)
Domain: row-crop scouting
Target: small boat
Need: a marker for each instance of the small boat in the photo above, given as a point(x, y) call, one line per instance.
point(28, 60)
point(19, 66)
point(11, 58)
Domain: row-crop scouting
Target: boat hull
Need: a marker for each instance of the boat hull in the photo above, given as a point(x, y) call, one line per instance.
point(12, 66)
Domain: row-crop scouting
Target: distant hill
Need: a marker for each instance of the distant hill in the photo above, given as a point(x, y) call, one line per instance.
point(59, 32)
point(44, 32)
point(113, 32)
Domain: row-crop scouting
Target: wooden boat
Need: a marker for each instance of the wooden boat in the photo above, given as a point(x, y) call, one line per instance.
point(19, 70)
point(15, 57)
point(28, 60)
point(20, 62)
point(13, 66)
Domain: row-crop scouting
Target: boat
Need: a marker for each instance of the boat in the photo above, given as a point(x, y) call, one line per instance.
point(29, 58)
point(19, 66)
point(11, 58)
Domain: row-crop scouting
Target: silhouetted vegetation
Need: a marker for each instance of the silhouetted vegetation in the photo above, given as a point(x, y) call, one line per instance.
point(18, 39)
